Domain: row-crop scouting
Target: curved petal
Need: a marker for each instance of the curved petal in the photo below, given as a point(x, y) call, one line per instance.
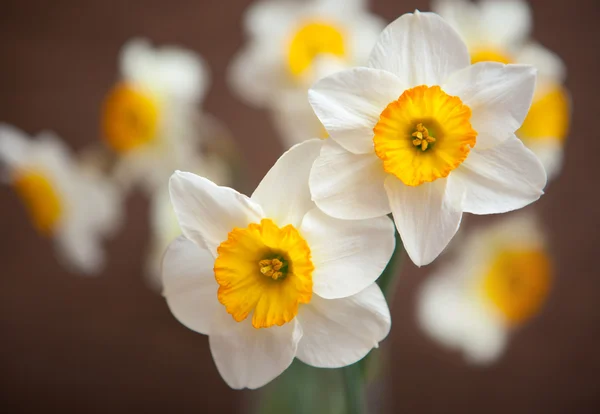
point(348, 255)
point(500, 179)
point(348, 186)
point(549, 65)
point(506, 22)
point(421, 49)
point(189, 285)
point(348, 104)
point(427, 217)
point(271, 17)
point(207, 212)
point(283, 193)
point(550, 153)
point(340, 332)
point(247, 357)
point(499, 97)
point(14, 145)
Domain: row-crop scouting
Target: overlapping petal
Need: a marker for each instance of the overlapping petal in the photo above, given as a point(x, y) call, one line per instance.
point(208, 212)
point(283, 193)
point(189, 285)
point(499, 97)
point(247, 357)
point(340, 332)
point(348, 186)
point(427, 216)
point(348, 255)
point(421, 49)
point(348, 103)
point(500, 179)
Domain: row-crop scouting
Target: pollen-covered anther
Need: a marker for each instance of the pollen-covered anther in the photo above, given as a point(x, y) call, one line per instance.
point(271, 268)
point(422, 137)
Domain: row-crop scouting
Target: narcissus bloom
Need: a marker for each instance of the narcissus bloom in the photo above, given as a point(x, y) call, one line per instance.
point(498, 281)
point(271, 277)
point(424, 135)
point(291, 44)
point(499, 31)
point(66, 201)
point(150, 117)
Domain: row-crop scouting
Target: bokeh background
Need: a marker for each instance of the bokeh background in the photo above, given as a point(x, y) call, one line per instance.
point(110, 344)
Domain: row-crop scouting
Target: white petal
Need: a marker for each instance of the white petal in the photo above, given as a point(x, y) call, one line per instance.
point(171, 70)
point(349, 103)
point(79, 250)
point(549, 65)
point(550, 153)
point(247, 357)
point(14, 145)
point(283, 193)
point(500, 179)
point(365, 31)
point(499, 97)
point(189, 285)
point(426, 216)
point(348, 186)
point(506, 22)
point(340, 332)
point(207, 212)
point(348, 255)
point(271, 17)
point(421, 49)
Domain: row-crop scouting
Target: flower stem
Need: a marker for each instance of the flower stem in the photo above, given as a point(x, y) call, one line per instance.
point(354, 389)
point(388, 281)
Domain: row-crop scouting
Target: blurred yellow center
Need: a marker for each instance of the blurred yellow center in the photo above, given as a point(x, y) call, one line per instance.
point(40, 198)
point(129, 119)
point(265, 269)
point(548, 117)
point(423, 135)
point(311, 40)
point(490, 54)
point(518, 282)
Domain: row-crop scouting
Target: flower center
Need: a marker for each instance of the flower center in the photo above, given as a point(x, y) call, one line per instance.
point(41, 200)
point(489, 54)
point(264, 269)
point(423, 135)
point(548, 117)
point(130, 118)
point(517, 283)
point(311, 40)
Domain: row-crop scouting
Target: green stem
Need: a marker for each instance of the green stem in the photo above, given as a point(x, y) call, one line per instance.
point(388, 281)
point(354, 389)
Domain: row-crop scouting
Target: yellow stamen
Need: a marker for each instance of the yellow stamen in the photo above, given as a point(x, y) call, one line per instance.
point(129, 118)
point(41, 199)
point(273, 290)
point(311, 40)
point(421, 117)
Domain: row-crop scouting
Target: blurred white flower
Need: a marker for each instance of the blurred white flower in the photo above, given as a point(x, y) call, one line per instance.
point(499, 280)
point(291, 44)
point(65, 200)
point(271, 277)
point(424, 135)
point(150, 117)
point(500, 31)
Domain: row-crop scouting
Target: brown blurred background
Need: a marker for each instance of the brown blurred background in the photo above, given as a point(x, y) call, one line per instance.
point(110, 345)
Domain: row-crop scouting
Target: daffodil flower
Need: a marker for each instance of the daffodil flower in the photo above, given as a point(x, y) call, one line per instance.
point(271, 277)
point(74, 205)
point(291, 44)
point(424, 135)
point(150, 117)
point(497, 281)
point(500, 31)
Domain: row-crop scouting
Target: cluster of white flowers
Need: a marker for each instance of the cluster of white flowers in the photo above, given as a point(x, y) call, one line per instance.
point(399, 128)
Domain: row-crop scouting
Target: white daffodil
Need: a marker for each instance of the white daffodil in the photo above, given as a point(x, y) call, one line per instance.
point(291, 44)
point(150, 117)
point(424, 135)
point(72, 204)
point(500, 31)
point(271, 277)
point(498, 281)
